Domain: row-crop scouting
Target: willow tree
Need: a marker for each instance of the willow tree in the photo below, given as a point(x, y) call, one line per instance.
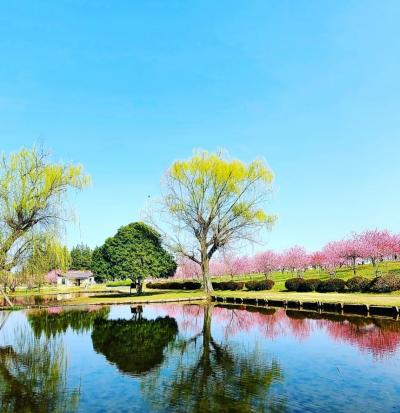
point(32, 196)
point(214, 202)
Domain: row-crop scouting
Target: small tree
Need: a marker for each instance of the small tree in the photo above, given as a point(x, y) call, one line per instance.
point(213, 202)
point(32, 193)
point(135, 250)
point(81, 257)
point(46, 254)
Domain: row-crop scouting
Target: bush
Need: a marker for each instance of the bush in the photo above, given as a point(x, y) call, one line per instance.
point(385, 284)
point(293, 284)
point(119, 283)
point(357, 284)
point(174, 285)
point(259, 285)
point(228, 285)
point(331, 286)
point(308, 285)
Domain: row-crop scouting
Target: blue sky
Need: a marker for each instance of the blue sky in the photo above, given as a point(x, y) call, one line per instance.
point(125, 88)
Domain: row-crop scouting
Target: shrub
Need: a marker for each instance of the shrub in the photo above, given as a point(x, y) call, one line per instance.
point(174, 285)
point(259, 285)
point(385, 284)
point(332, 285)
point(357, 284)
point(119, 283)
point(293, 284)
point(228, 285)
point(308, 285)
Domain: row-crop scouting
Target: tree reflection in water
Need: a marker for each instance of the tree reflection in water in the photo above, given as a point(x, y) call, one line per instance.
point(136, 346)
point(56, 320)
point(214, 377)
point(33, 376)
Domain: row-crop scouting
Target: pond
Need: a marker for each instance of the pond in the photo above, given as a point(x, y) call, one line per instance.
point(194, 358)
point(48, 299)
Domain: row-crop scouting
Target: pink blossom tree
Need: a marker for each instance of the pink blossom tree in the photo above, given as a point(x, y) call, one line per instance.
point(295, 259)
point(187, 269)
point(333, 256)
point(377, 245)
point(266, 262)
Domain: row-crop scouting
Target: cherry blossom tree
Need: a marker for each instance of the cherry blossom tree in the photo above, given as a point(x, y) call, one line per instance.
point(295, 259)
point(377, 245)
point(266, 262)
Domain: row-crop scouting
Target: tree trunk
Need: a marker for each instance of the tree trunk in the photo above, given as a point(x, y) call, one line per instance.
point(6, 297)
point(354, 265)
point(205, 269)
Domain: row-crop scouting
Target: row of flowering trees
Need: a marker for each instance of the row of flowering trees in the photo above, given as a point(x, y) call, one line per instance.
point(373, 246)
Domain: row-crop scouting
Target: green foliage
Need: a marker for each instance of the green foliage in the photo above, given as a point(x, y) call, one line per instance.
point(293, 284)
point(309, 285)
point(134, 346)
point(259, 285)
point(357, 284)
point(385, 284)
point(81, 257)
point(174, 285)
point(331, 286)
point(51, 324)
point(135, 250)
point(32, 194)
point(119, 283)
point(228, 285)
point(215, 201)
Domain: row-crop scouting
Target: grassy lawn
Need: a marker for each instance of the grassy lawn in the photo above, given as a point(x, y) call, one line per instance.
point(344, 273)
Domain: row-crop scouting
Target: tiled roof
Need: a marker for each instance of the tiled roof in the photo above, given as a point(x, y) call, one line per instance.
point(78, 275)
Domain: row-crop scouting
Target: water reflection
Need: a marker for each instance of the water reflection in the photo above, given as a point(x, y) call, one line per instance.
point(194, 358)
point(33, 376)
point(56, 320)
point(212, 377)
point(136, 346)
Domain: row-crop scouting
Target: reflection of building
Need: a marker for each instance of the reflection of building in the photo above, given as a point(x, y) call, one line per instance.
point(77, 278)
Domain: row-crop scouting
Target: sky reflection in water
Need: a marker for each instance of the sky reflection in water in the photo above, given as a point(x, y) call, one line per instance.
point(186, 358)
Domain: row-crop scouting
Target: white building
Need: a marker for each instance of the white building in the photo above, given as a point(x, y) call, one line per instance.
point(75, 278)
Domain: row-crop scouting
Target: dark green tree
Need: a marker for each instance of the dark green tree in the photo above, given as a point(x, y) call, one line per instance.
point(135, 250)
point(81, 257)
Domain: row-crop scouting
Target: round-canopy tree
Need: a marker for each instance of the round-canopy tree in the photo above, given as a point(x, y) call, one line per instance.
point(135, 250)
point(215, 201)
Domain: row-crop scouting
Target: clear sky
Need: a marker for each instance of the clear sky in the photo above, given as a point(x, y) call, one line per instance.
point(127, 87)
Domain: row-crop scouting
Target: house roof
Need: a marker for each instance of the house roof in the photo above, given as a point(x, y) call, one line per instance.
point(78, 275)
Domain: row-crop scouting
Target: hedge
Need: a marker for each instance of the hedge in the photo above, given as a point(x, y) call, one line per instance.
point(385, 284)
point(227, 285)
point(174, 285)
point(332, 285)
point(293, 284)
point(309, 285)
point(259, 285)
point(357, 284)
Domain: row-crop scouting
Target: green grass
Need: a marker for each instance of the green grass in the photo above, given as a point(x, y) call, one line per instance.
point(119, 283)
point(344, 273)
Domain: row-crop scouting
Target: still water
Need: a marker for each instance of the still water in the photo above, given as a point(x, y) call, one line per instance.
point(191, 358)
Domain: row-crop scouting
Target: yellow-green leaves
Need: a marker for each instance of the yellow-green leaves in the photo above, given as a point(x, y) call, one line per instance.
point(217, 200)
point(32, 196)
